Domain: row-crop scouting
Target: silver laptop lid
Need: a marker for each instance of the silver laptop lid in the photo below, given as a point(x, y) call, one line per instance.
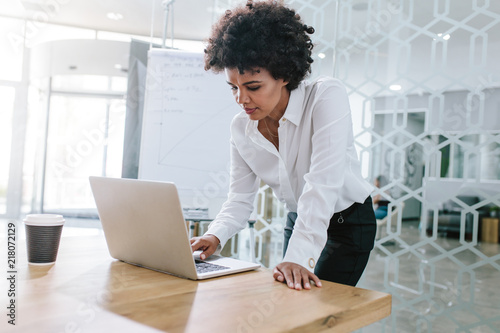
point(143, 224)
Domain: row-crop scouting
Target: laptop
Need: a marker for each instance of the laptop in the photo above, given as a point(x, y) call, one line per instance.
point(144, 226)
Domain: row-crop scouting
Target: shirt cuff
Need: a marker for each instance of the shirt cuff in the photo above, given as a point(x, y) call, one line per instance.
point(219, 247)
point(221, 233)
point(303, 251)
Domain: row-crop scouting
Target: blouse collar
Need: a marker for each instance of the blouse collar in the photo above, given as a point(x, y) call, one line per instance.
point(293, 113)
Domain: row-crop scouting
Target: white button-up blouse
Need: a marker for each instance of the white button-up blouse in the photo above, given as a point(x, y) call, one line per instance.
point(316, 171)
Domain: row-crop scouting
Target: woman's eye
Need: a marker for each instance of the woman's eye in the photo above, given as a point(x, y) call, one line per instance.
point(253, 88)
point(234, 88)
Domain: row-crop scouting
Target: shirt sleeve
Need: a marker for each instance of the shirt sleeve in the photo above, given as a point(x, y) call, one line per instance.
point(332, 134)
point(236, 210)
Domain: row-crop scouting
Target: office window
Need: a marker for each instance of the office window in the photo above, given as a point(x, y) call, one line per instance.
point(7, 95)
point(34, 142)
point(12, 46)
point(85, 139)
point(114, 142)
point(118, 84)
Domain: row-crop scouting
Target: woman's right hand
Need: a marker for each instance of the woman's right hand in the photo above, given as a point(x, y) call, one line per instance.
point(207, 243)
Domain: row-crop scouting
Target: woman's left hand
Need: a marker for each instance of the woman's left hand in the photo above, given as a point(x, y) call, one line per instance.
point(295, 276)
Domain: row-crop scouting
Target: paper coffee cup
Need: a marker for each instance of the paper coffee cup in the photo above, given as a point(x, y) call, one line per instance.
point(43, 233)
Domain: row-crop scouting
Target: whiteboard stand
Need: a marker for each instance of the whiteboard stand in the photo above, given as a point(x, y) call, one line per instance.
point(168, 7)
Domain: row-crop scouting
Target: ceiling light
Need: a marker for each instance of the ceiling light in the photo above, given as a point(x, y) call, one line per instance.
point(114, 16)
point(445, 37)
point(395, 87)
point(321, 55)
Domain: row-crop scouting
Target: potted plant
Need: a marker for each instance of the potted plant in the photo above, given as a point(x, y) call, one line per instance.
point(494, 211)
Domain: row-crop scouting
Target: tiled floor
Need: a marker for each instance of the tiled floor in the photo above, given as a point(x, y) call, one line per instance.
point(437, 286)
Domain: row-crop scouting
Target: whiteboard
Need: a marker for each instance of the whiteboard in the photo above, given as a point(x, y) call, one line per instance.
point(185, 134)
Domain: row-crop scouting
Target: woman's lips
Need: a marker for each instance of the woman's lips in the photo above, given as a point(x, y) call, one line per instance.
point(250, 110)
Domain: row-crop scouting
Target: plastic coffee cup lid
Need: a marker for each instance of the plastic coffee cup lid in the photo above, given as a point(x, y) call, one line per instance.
point(44, 219)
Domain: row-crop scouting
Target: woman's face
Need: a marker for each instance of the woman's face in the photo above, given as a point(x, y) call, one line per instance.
point(258, 93)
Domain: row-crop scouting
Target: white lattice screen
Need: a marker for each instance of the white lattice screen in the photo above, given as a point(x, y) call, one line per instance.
point(423, 80)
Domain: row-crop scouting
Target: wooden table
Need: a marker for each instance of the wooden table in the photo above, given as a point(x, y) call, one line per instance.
point(88, 291)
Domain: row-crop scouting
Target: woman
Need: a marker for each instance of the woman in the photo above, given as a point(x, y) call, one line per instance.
point(296, 136)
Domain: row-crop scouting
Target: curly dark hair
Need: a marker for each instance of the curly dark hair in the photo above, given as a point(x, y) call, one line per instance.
point(264, 34)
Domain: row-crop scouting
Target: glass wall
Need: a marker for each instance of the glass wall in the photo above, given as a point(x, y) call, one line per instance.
point(423, 82)
point(423, 79)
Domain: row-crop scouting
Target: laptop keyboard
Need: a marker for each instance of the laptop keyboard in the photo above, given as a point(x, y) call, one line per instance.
point(205, 267)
